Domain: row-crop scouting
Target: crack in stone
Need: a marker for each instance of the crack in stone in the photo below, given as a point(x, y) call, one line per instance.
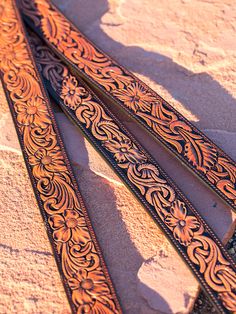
point(14, 250)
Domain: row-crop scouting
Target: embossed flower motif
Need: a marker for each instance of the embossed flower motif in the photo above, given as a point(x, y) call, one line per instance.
point(88, 287)
point(46, 162)
point(71, 93)
point(69, 226)
point(33, 112)
point(124, 151)
point(135, 97)
point(182, 224)
point(13, 56)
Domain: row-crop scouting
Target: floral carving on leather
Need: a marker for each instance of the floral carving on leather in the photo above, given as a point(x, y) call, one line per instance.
point(89, 288)
point(135, 97)
point(58, 31)
point(186, 228)
point(183, 225)
point(71, 93)
point(198, 152)
point(33, 112)
point(12, 55)
point(47, 162)
point(124, 151)
point(61, 204)
point(195, 240)
point(68, 226)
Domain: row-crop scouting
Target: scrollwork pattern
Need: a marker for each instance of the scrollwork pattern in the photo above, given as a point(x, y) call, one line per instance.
point(83, 269)
point(192, 235)
point(198, 152)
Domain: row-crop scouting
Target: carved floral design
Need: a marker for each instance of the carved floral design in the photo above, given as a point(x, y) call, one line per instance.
point(71, 93)
point(135, 97)
point(88, 286)
point(194, 238)
point(32, 112)
point(68, 226)
point(182, 224)
point(46, 162)
point(124, 151)
point(196, 151)
point(11, 55)
point(53, 181)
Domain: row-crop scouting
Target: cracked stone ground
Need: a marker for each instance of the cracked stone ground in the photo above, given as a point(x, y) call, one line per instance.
point(185, 50)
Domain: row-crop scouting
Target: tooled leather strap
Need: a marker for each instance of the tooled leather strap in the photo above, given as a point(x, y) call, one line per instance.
point(191, 236)
point(83, 271)
point(197, 151)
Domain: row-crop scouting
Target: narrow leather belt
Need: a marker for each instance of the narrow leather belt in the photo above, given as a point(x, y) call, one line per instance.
point(75, 247)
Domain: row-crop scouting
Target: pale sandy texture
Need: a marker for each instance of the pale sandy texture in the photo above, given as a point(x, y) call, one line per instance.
point(186, 51)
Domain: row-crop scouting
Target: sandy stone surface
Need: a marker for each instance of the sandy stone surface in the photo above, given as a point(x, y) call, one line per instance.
point(183, 49)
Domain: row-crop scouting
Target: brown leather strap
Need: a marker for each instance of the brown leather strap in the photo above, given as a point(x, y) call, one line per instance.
point(191, 236)
point(83, 271)
point(167, 125)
